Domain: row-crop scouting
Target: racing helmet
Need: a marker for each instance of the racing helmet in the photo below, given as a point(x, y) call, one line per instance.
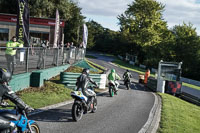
point(86, 71)
point(113, 70)
point(5, 75)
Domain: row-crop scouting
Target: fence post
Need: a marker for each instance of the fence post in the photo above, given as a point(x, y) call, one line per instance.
point(44, 62)
point(57, 58)
point(75, 52)
point(27, 59)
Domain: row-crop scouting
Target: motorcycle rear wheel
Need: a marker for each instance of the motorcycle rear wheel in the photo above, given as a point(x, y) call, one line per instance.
point(77, 111)
point(111, 91)
point(94, 105)
point(127, 86)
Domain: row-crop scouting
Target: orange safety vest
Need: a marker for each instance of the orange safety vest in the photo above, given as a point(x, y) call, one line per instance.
point(147, 74)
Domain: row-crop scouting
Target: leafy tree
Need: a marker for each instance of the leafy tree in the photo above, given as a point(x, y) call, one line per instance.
point(8, 6)
point(186, 49)
point(142, 24)
point(74, 24)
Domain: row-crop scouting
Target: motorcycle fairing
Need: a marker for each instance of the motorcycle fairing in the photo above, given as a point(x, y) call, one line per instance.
point(79, 94)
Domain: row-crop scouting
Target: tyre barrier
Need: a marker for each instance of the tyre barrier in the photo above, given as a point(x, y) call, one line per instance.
point(69, 79)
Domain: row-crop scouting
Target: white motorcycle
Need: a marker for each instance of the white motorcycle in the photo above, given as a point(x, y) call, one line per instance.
point(82, 104)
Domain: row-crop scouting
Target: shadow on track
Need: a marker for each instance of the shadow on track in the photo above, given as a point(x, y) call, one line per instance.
point(54, 115)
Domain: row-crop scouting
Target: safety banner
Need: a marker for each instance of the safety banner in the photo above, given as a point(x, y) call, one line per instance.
point(22, 29)
point(85, 35)
point(57, 28)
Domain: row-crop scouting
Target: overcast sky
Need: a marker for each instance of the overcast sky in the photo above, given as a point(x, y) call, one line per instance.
point(176, 12)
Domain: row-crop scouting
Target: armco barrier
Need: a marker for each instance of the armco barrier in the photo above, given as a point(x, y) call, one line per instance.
point(190, 81)
point(190, 98)
point(38, 77)
point(69, 79)
point(20, 81)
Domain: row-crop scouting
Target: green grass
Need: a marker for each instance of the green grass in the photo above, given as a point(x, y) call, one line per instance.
point(50, 93)
point(128, 66)
point(191, 86)
point(76, 69)
point(178, 116)
point(90, 56)
point(94, 64)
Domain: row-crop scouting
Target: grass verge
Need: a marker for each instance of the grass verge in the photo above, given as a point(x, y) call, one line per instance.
point(94, 64)
point(191, 86)
point(76, 69)
point(90, 56)
point(178, 116)
point(128, 66)
point(51, 93)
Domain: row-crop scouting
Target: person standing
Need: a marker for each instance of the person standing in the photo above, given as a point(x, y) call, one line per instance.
point(11, 53)
point(42, 52)
point(66, 53)
point(146, 76)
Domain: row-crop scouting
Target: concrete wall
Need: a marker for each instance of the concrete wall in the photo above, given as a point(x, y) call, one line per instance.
point(20, 81)
point(34, 79)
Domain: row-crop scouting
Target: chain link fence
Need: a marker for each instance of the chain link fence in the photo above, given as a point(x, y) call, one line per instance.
point(28, 59)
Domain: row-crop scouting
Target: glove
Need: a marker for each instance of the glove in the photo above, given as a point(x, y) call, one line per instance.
point(4, 104)
point(96, 85)
point(28, 109)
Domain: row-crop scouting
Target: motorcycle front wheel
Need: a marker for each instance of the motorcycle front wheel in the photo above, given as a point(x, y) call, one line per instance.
point(35, 128)
point(77, 111)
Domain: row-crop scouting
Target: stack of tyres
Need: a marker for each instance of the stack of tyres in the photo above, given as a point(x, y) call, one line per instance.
point(173, 87)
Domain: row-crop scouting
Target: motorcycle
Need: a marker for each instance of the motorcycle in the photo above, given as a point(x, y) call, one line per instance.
point(112, 89)
point(19, 118)
point(82, 104)
point(127, 83)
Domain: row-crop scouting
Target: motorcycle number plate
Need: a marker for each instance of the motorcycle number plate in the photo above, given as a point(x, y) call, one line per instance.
point(79, 93)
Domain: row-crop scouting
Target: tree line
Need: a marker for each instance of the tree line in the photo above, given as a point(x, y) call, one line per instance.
point(143, 32)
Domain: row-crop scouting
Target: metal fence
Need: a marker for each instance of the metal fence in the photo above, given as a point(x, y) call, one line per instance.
point(28, 59)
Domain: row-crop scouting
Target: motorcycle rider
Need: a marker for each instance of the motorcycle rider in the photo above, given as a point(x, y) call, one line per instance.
point(6, 93)
point(113, 77)
point(127, 75)
point(82, 82)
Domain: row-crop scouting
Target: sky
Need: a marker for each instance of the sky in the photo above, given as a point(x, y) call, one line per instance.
point(176, 12)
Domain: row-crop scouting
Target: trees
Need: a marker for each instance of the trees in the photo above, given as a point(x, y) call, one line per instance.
point(143, 21)
point(186, 49)
point(102, 39)
point(143, 25)
point(8, 6)
point(73, 29)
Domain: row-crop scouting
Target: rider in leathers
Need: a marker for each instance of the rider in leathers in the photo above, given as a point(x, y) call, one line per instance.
point(6, 93)
point(127, 75)
point(82, 82)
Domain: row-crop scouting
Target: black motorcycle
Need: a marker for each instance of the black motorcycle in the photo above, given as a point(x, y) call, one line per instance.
point(127, 83)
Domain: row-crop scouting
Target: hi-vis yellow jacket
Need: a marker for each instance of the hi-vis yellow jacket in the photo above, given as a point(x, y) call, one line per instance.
point(11, 51)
